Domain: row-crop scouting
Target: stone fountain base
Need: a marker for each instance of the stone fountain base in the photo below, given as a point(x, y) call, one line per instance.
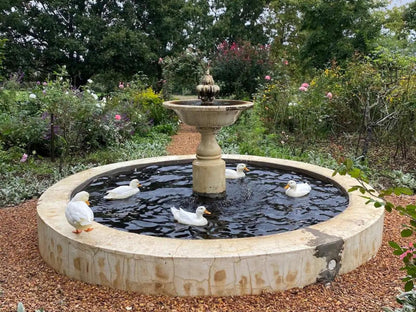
point(219, 267)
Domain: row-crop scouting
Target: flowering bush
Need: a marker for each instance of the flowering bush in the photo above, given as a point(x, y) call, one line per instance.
point(236, 68)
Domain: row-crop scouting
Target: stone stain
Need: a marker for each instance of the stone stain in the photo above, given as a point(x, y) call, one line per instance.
point(220, 276)
point(291, 277)
point(187, 288)
point(161, 273)
point(278, 279)
point(77, 264)
point(308, 268)
point(100, 262)
point(243, 284)
point(104, 280)
point(201, 291)
point(259, 279)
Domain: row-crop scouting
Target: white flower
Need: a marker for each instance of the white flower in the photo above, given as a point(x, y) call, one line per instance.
point(90, 81)
point(95, 96)
point(292, 104)
point(32, 96)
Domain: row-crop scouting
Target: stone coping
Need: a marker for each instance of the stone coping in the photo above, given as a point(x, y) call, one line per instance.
point(337, 245)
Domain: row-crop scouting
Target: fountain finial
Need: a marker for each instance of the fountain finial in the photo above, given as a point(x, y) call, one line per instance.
point(207, 90)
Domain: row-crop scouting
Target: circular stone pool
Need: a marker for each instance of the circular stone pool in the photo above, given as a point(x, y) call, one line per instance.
point(254, 206)
point(191, 267)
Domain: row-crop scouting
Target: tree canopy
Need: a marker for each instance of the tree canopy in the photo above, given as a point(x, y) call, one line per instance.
point(113, 40)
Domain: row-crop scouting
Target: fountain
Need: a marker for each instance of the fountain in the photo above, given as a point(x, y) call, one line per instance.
point(208, 117)
point(199, 267)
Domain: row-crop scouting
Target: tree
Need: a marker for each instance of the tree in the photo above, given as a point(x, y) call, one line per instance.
point(239, 20)
point(110, 38)
point(336, 29)
point(409, 16)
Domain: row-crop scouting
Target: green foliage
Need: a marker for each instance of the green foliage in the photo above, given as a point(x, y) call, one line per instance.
point(406, 253)
point(407, 300)
point(182, 73)
point(335, 30)
point(21, 308)
point(2, 44)
point(237, 67)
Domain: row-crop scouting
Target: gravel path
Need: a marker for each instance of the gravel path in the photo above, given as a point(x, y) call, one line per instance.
point(25, 277)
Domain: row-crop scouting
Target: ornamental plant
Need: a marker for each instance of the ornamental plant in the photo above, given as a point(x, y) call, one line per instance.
point(237, 66)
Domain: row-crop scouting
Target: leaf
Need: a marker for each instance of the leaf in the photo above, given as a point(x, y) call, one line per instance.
point(378, 204)
point(352, 189)
point(355, 173)
point(406, 232)
point(402, 190)
point(408, 286)
point(394, 245)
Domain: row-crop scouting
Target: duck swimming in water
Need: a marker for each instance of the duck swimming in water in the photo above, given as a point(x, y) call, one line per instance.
point(236, 174)
point(190, 218)
point(124, 191)
point(294, 189)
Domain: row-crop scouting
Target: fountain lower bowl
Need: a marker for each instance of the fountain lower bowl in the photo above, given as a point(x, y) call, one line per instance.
point(219, 267)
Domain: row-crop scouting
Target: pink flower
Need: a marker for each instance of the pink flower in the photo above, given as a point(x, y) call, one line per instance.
point(329, 95)
point(38, 82)
point(305, 85)
point(285, 62)
point(160, 60)
point(267, 77)
point(117, 117)
point(45, 83)
point(303, 89)
point(403, 255)
point(121, 85)
point(24, 158)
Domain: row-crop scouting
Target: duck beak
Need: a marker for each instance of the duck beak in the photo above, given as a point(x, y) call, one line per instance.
point(287, 186)
point(87, 202)
point(246, 169)
point(207, 212)
point(139, 185)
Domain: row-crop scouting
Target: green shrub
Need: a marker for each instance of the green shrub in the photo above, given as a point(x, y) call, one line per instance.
point(182, 73)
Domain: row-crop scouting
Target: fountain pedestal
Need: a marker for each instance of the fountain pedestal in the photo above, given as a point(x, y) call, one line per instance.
point(208, 169)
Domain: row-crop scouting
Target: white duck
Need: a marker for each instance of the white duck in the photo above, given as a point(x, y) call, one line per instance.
point(294, 189)
point(236, 174)
point(190, 218)
point(79, 214)
point(124, 191)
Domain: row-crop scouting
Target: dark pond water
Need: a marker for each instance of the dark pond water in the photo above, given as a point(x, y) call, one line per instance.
point(254, 206)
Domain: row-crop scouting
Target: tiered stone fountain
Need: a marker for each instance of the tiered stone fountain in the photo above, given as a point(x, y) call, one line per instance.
point(208, 116)
point(157, 265)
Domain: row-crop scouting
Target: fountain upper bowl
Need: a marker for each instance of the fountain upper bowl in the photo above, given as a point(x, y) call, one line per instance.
point(220, 113)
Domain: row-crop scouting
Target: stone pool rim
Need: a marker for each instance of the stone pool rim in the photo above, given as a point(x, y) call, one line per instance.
point(238, 266)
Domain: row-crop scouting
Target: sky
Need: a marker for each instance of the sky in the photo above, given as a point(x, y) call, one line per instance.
point(399, 2)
